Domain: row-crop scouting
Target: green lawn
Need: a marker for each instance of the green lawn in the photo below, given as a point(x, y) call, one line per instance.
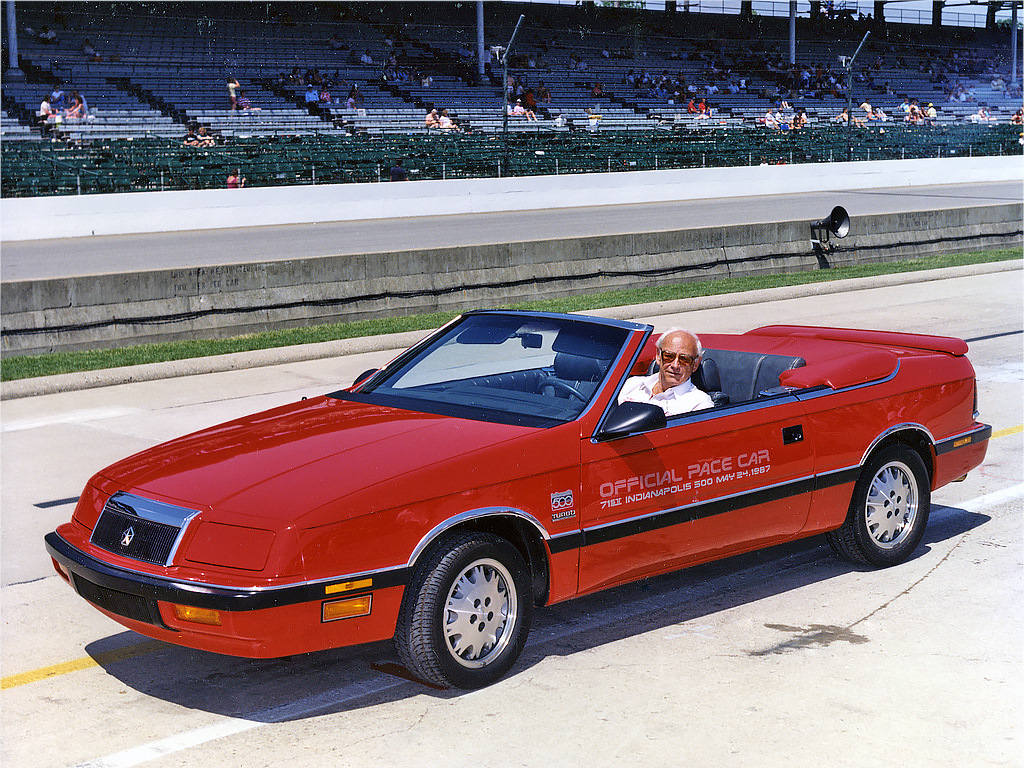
point(28, 366)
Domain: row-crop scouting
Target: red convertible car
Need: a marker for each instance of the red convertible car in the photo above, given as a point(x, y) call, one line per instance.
point(489, 469)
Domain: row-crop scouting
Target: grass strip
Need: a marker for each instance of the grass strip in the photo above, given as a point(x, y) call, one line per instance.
point(29, 366)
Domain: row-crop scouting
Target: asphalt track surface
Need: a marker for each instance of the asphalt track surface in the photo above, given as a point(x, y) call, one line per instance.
point(56, 258)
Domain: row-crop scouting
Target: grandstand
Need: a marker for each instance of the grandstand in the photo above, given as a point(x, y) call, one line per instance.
point(613, 90)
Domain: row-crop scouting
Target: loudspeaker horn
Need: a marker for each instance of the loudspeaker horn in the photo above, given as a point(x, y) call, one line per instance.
point(837, 222)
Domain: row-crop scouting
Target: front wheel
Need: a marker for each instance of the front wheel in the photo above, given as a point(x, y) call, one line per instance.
point(466, 613)
point(889, 510)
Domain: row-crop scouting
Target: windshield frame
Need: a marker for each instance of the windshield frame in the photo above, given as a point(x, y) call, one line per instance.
point(374, 390)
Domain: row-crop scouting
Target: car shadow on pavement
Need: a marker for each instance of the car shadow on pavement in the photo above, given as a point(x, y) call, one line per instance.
point(297, 687)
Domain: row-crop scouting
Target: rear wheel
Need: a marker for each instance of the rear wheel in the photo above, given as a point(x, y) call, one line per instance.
point(889, 510)
point(467, 612)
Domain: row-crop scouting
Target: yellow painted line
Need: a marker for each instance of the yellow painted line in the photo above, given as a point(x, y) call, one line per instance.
point(141, 649)
point(107, 657)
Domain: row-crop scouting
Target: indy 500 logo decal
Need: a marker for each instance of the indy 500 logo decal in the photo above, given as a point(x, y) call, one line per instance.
point(561, 505)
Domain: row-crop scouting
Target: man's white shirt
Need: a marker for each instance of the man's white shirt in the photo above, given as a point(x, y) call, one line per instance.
point(681, 398)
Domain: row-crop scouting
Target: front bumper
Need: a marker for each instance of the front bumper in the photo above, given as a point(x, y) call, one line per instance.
point(257, 622)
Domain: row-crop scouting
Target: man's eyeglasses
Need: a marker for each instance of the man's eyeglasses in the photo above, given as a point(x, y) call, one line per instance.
point(669, 357)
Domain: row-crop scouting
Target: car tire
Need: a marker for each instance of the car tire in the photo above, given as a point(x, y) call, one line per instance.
point(888, 512)
point(466, 614)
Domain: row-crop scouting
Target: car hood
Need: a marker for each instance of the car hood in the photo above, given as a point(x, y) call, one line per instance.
point(288, 462)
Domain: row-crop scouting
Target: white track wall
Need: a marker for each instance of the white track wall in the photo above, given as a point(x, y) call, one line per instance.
point(143, 212)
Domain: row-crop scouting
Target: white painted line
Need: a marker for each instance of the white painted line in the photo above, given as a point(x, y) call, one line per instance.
point(341, 696)
point(990, 499)
point(234, 725)
point(72, 417)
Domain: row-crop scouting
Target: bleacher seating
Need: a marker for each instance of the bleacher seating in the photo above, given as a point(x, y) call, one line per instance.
point(166, 69)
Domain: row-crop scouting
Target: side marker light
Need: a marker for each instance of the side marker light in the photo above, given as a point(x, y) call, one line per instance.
point(348, 608)
point(347, 586)
point(197, 615)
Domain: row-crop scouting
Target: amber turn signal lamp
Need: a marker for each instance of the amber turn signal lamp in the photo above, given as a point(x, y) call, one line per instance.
point(348, 608)
point(197, 615)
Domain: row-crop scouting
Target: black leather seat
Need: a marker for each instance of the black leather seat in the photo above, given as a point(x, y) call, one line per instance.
point(707, 378)
point(575, 371)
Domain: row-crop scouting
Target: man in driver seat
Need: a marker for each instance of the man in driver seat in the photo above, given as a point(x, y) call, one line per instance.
point(679, 354)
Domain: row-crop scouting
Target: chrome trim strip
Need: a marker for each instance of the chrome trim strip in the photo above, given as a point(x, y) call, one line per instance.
point(156, 511)
point(911, 426)
point(965, 433)
point(474, 514)
point(831, 472)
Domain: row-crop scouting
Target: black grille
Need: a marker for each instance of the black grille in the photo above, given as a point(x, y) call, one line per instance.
point(120, 603)
point(132, 536)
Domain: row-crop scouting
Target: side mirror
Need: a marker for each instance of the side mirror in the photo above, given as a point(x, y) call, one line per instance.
point(364, 376)
point(629, 418)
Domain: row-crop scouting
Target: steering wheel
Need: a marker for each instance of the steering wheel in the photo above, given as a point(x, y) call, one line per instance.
point(567, 388)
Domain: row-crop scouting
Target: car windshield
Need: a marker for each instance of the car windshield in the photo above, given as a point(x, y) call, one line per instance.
point(519, 369)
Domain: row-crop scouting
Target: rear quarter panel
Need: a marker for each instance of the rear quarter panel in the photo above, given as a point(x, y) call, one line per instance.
point(929, 390)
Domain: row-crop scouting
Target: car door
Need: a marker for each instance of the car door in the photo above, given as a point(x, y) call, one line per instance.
point(706, 485)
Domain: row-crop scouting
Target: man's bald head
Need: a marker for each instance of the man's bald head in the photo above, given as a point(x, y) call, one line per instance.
point(679, 354)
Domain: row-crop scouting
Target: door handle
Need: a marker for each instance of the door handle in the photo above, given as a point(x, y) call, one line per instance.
point(793, 434)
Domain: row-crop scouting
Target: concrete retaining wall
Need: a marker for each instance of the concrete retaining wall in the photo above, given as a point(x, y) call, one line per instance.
point(139, 212)
point(112, 310)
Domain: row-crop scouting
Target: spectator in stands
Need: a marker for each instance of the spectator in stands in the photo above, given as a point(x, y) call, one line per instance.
point(931, 114)
point(800, 121)
point(914, 113)
point(770, 121)
point(85, 104)
point(244, 105)
point(236, 180)
point(312, 98)
point(844, 117)
point(398, 173)
point(77, 108)
point(355, 97)
point(981, 116)
point(543, 93)
point(57, 98)
point(200, 139)
point(89, 50)
point(45, 110)
point(233, 87)
point(47, 36)
point(1018, 117)
point(432, 120)
point(597, 90)
point(520, 111)
point(445, 122)
point(366, 58)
